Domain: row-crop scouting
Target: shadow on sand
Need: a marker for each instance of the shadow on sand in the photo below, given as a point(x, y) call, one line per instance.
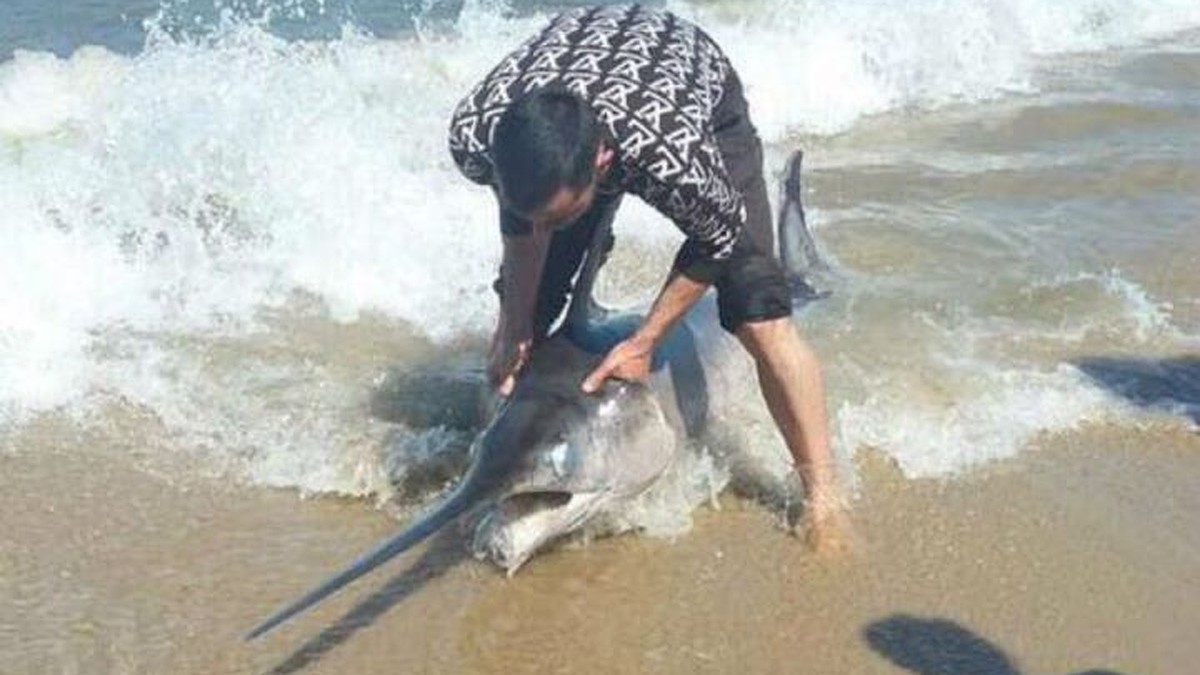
point(444, 552)
point(1171, 384)
point(941, 647)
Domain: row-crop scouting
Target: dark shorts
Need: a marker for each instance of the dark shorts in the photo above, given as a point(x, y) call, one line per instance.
point(751, 284)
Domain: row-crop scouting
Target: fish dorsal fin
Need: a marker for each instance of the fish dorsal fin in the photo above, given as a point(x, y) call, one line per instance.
point(797, 248)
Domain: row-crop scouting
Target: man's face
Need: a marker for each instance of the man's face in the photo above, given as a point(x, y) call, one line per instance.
point(568, 204)
point(564, 208)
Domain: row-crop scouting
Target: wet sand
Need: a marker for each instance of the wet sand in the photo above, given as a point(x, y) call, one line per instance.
point(1082, 554)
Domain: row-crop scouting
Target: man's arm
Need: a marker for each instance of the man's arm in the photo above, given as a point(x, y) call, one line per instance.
point(674, 300)
point(522, 263)
point(630, 360)
point(521, 271)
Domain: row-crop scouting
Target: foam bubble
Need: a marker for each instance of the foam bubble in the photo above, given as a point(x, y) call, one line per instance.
point(991, 379)
point(993, 414)
point(819, 67)
point(1114, 304)
point(40, 93)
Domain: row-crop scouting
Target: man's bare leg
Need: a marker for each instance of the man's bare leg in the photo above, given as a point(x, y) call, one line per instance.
point(790, 377)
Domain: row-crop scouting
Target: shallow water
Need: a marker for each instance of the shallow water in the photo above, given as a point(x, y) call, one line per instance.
point(230, 230)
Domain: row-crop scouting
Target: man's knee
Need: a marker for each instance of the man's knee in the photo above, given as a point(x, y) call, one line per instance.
point(761, 338)
point(772, 343)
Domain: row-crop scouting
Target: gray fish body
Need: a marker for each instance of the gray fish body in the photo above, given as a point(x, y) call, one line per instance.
point(552, 458)
point(589, 455)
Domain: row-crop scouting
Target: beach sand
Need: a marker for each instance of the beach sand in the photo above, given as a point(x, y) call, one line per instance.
point(1081, 554)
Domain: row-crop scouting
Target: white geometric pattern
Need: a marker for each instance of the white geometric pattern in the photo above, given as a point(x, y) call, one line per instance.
point(654, 81)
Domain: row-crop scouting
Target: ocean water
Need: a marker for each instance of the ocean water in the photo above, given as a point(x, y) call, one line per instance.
point(227, 227)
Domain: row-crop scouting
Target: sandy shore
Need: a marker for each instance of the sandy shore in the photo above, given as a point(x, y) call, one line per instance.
point(1083, 554)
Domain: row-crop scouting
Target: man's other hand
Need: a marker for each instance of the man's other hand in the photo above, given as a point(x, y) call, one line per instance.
point(629, 360)
point(508, 357)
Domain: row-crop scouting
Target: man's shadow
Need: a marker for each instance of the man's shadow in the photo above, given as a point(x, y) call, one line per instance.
point(1171, 384)
point(941, 647)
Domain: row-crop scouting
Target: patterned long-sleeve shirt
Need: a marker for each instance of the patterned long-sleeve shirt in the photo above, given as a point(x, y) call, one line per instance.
point(654, 81)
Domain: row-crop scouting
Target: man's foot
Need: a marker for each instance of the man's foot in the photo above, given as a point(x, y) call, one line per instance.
point(827, 528)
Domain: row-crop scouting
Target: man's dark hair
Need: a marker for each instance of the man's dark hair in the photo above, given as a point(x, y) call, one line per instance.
point(546, 140)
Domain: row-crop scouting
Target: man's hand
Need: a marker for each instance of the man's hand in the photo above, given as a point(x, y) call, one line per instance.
point(629, 360)
point(507, 358)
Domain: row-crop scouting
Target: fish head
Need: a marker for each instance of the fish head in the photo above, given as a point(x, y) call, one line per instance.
point(569, 455)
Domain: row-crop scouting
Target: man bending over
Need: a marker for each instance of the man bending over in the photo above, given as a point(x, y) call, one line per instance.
point(612, 100)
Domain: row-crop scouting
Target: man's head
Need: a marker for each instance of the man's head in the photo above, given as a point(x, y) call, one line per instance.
point(549, 153)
